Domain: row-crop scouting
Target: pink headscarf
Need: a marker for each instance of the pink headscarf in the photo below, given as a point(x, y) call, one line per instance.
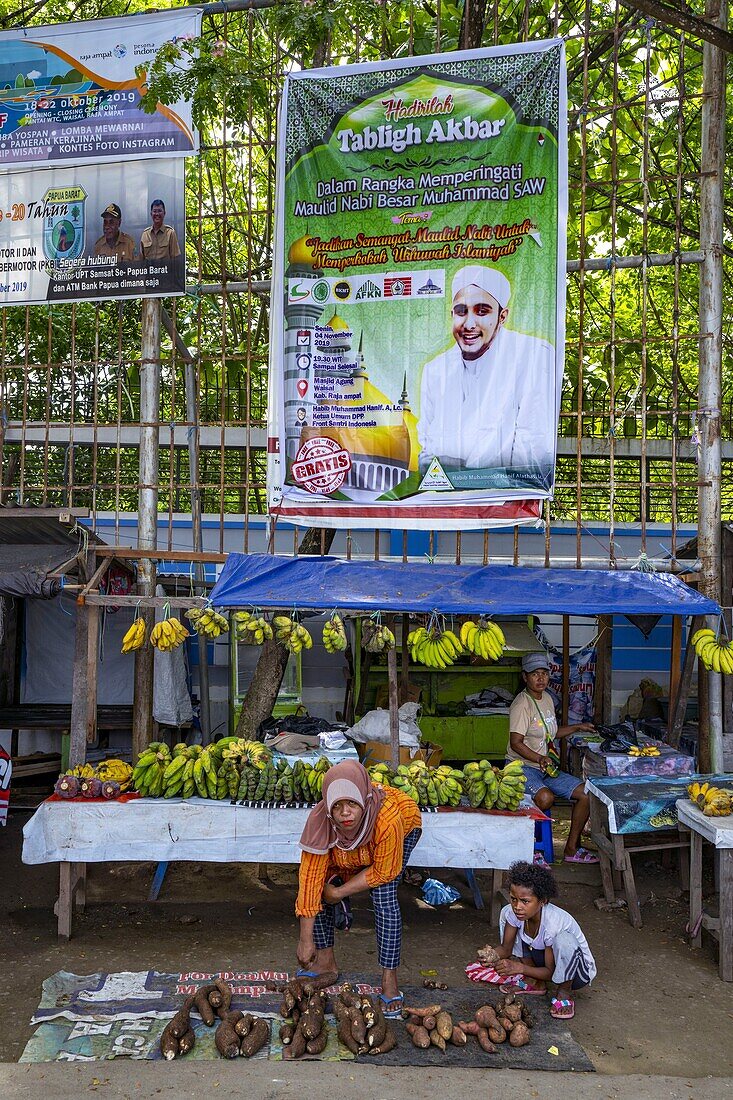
point(346, 780)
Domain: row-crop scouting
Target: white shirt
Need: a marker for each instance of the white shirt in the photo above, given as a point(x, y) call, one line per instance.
point(497, 410)
point(553, 922)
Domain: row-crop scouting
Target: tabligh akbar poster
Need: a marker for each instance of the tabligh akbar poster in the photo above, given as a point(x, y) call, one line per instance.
point(419, 290)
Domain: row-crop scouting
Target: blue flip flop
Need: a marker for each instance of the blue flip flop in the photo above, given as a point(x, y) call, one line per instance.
point(306, 974)
point(392, 1013)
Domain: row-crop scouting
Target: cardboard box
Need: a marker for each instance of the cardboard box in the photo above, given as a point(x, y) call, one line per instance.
point(373, 752)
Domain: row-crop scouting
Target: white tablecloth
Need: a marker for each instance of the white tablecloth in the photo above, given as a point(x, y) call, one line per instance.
point(718, 830)
point(217, 832)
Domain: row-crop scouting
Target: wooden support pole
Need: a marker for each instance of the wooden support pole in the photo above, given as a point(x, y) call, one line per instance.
point(394, 707)
point(678, 704)
point(603, 698)
point(565, 668)
point(92, 614)
point(405, 657)
point(675, 655)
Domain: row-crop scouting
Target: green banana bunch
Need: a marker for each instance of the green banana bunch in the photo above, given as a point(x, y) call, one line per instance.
point(376, 638)
point(334, 635)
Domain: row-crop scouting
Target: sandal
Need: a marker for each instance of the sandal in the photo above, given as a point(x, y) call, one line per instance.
point(392, 1013)
point(582, 855)
point(521, 985)
point(562, 1009)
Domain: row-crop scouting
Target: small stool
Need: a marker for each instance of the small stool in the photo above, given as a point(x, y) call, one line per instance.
point(543, 839)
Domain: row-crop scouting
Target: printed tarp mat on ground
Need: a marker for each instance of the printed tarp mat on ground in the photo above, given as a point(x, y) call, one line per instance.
point(96, 1017)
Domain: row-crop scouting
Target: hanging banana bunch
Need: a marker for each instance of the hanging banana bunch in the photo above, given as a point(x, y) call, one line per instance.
point(334, 634)
point(251, 628)
point(168, 634)
point(291, 633)
point(484, 639)
point(434, 646)
point(207, 621)
point(135, 636)
point(376, 638)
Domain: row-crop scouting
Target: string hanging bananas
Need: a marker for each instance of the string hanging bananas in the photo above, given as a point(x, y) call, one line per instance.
point(251, 629)
point(292, 635)
point(376, 638)
point(168, 634)
point(434, 648)
point(715, 654)
point(334, 635)
point(207, 621)
point(135, 636)
point(484, 639)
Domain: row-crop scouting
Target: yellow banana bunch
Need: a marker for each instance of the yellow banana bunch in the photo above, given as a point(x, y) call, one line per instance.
point(334, 635)
point(168, 634)
point(715, 654)
point(434, 648)
point(376, 638)
point(484, 639)
point(135, 636)
point(251, 629)
point(115, 771)
point(291, 634)
point(207, 621)
point(713, 801)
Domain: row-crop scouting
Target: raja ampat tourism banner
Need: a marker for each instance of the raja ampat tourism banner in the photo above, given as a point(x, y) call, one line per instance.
point(417, 332)
point(68, 234)
point(70, 92)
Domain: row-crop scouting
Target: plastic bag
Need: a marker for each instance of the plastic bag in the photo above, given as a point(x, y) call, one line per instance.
point(374, 726)
point(435, 892)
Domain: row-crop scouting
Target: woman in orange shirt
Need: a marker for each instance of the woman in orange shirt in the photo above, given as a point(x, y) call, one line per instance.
point(361, 834)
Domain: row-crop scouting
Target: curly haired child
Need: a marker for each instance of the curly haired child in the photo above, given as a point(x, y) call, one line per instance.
point(541, 943)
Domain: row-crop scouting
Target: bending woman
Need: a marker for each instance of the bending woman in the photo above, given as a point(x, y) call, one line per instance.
point(359, 837)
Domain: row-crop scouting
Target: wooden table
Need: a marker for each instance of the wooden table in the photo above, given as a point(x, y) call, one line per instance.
point(161, 830)
point(718, 831)
point(616, 847)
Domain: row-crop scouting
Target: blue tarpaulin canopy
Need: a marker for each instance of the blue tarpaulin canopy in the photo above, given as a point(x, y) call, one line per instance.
point(322, 583)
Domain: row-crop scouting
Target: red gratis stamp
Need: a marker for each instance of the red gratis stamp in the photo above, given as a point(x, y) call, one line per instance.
point(321, 465)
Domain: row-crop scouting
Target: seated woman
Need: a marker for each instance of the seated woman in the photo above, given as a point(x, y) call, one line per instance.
point(532, 729)
point(359, 837)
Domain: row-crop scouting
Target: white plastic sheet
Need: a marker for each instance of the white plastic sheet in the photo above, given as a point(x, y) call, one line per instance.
point(216, 832)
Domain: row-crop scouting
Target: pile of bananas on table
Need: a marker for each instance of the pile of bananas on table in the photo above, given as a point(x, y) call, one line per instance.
point(207, 621)
point(427, 786)
point(715, 654)
point(250, 628)
point(483, 639)
point(713, 801)
point(334, 635)
point(483, 786)
point(108, 779)
point(293, 635)
point(376, 638)
point(433, 647)
point(495, 788)
point(648, 750)
point(231, 768)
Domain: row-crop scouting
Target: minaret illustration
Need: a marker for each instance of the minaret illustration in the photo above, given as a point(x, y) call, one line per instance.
point(381, 436)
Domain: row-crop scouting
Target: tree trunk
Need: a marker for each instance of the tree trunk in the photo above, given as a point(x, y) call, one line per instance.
point(472, 24)
point(268, 675)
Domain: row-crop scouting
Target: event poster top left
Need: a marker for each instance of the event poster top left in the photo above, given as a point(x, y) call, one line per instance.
point(69, 93)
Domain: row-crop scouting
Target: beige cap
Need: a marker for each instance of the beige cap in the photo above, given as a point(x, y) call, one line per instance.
point(487, 278)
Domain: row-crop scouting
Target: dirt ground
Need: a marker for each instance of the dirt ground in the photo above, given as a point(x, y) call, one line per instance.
point(657, 1006)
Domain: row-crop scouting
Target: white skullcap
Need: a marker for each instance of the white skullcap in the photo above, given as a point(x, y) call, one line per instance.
point(487, 278)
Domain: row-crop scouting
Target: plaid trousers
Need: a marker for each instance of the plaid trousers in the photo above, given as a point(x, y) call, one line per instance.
point(387, 915)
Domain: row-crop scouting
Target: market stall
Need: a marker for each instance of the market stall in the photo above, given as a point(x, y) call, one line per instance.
point(717, 831)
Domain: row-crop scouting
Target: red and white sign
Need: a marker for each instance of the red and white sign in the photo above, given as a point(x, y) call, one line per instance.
point(6, 770)
point(321, 465)
point(397, 286)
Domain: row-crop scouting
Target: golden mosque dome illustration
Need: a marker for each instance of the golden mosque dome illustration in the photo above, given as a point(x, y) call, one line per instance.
point(301, 254)
point(338, 324)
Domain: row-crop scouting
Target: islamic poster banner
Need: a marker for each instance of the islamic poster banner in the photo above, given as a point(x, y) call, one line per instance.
point(417, 334)
point(86, 233)
point(70, 93)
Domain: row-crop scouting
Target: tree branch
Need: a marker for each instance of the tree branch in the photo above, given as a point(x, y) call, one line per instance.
point(683, 20)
